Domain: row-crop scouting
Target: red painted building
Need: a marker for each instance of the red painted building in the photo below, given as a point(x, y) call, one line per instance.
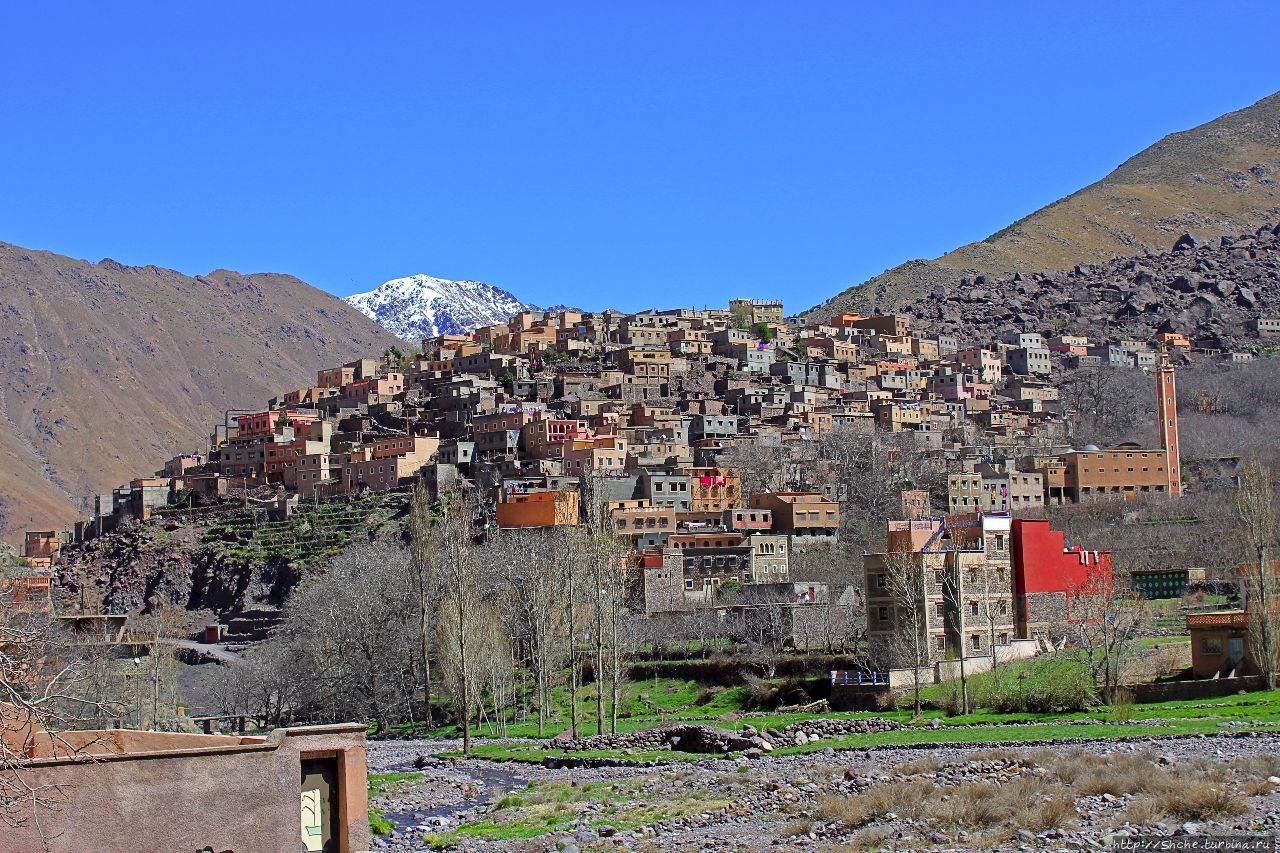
point(1046, 572)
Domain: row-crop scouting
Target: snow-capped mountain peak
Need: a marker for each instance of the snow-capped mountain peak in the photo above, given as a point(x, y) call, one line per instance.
point(422, 306)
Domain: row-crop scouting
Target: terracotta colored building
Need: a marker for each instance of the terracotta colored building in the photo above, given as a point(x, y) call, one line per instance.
point(636, 518)
point(801, 513)
point(1125, 472)
point(964, 566)
point(40, 547)
point(292, 789)
point(539, 509)
point(713, 490)
point(1220, 644)
point(264, 423)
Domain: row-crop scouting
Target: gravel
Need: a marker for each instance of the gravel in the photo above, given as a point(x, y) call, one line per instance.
point(765, 798)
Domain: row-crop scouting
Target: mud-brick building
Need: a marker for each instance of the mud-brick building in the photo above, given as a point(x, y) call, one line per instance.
point(1220, 644)
point(292, 789)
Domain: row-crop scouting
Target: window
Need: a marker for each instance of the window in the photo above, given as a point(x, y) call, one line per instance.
point(975, 641)
point(1003, 639)
point(1211, 645)
point(882, 614)
point(688, 584)
point(973, 608)
point(1004, 608)
point(941, 643)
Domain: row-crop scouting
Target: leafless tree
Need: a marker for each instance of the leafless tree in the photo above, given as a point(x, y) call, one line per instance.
point(866, 469)
point(954, 590)
point(1257, 513)
point(40, 694)
point(571, 581)
point(425, 548)
point(1108, 403)
point(352, 637)
point(266, 686)
point(536, 603)
point(904, 581)
point(1105, 615)
point(463, 583)
point(759, 466)
point(839, 618)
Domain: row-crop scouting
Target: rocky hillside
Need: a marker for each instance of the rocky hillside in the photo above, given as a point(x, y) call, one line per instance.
point(1221, 178)
point(107, 370)
point(222, 557)
point(1201, 289)
point(422, 306)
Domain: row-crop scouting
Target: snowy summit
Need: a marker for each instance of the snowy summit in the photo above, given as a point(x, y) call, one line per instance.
point(422, 306)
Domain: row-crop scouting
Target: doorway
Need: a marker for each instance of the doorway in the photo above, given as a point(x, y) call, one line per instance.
point(319, 802)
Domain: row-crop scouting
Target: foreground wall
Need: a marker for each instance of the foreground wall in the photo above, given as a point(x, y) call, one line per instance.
point(188, 794)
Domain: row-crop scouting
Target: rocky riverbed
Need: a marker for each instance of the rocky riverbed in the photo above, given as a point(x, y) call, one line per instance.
point(1082, 796)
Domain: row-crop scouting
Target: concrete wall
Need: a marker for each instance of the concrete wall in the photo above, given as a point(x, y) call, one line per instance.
point(948, 670)
point(192, 793)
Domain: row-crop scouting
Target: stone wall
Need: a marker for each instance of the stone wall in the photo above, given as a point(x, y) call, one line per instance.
point(1042, 612)
point(1169, 691)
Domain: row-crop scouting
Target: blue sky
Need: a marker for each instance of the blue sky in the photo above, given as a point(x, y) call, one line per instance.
point(601, 154)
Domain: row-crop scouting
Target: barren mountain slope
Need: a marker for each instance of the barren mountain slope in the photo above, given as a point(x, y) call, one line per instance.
point(1222, 178)
point(107, 370)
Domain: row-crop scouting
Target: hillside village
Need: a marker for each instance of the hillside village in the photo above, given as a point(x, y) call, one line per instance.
point(711, 441)
point(772, 507)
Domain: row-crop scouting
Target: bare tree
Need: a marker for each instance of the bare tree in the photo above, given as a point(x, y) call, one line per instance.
point(982, 591)
point(351, 635)
point(1257, 513)
point(537, 606)
point(462, 581)
point(866, 469)
point(760, 466)
point(266, 686)
point(904, 580)
point(839, 619)
point(1105, 614)
point(424, 546)
point(954, 590)
point(570, 570)
point(1107, 403)
point(40, 694)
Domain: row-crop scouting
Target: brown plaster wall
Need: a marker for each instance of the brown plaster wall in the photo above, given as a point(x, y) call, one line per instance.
point(241, 798)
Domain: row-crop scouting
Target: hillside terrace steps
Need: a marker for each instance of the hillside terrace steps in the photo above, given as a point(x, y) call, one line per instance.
point(249, 626)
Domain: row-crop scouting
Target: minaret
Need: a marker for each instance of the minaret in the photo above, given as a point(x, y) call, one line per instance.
point(1167, 412)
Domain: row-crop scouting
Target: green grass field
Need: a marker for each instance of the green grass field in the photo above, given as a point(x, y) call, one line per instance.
point(644, 704)
point(1202, 716)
